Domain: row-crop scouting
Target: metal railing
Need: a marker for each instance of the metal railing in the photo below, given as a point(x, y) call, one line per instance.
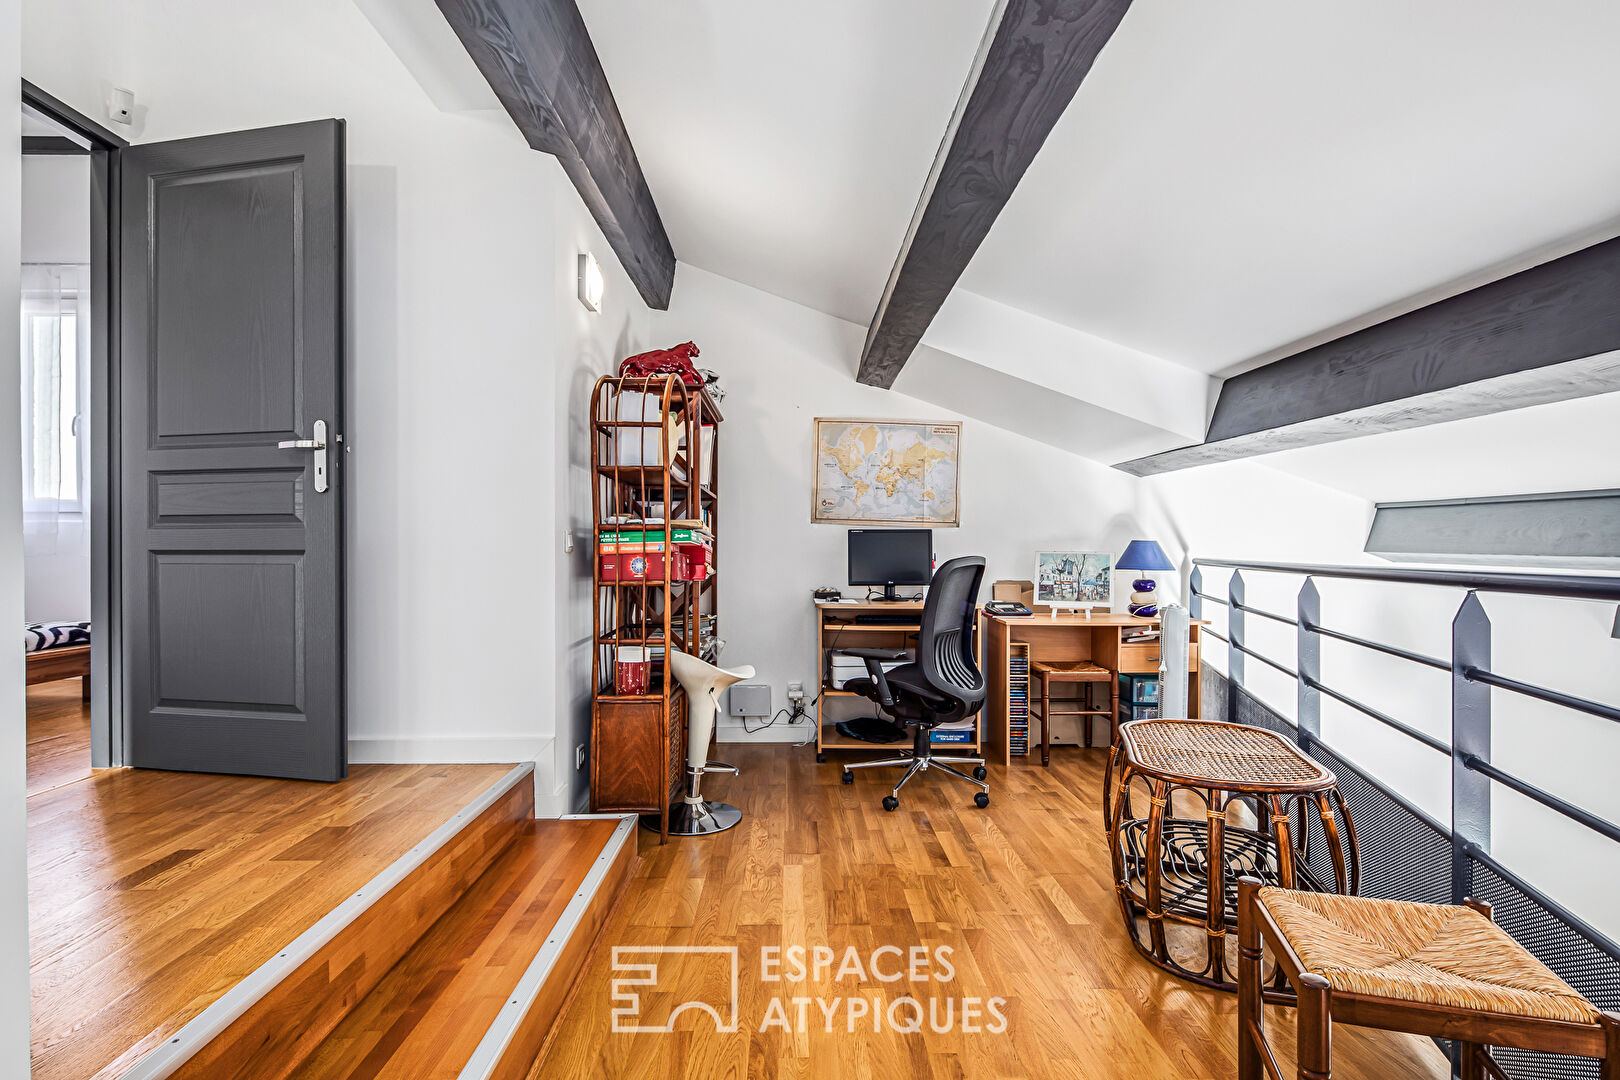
point(1468, 832)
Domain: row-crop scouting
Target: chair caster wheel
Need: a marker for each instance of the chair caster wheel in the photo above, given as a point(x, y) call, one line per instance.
point(890, 802)
point(821, 759)
point(979, 772)
point(981, 800)
point(848, 777)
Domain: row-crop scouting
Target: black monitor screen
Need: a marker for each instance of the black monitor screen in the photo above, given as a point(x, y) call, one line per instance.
point(891, 556)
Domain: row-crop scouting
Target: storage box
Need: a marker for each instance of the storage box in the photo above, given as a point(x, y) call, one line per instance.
point(642, 445)
point(1140, 712)
point(1139, 689)
point(639, 565)
point(1018, 592)
point(842, 668)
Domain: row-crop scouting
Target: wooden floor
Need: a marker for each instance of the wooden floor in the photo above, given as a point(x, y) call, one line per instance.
point(58, 735)
point(426, 1017)
point(152, 893)
point(1019, 892)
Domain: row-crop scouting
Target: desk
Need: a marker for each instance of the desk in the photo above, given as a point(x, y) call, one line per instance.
point(1012, 643)
point(836, 629)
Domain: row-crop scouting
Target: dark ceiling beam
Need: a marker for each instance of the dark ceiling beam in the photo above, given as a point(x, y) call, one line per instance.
point(1537, 336)
point(538, 58)
point(1025, 75)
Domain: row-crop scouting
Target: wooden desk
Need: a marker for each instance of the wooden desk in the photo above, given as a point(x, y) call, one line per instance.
point(836, 629)
point(1065, 637)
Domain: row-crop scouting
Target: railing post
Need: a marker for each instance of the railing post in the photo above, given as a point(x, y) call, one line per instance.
point(1235, 596)
point(1309, 654)
point(1195, 602)
point(1470, 734)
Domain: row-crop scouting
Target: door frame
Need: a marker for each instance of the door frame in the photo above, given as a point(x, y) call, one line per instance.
point(106, 586)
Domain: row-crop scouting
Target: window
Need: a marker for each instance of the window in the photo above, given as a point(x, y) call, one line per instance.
point(52, 401)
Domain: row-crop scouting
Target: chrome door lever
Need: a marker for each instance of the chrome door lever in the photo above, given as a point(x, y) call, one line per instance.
point(317, 444)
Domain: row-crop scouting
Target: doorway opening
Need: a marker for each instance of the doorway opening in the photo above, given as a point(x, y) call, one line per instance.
point(69, 169)
point(55, 389)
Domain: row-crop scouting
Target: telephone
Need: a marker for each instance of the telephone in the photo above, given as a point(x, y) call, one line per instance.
point(1005, 608)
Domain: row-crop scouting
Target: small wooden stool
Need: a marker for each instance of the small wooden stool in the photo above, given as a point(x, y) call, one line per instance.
point(1446, 971)
point(1082, 672)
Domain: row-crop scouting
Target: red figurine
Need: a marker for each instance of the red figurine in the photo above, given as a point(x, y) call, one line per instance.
point(676, 361)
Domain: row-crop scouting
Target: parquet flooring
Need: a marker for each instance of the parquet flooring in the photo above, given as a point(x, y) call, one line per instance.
point(58, 735)
point(1019, 892)
point(151, 893)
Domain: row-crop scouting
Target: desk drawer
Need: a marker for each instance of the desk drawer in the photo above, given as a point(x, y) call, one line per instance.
point(1143, 659)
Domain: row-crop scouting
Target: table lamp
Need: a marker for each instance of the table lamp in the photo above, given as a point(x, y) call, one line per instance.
point(1143, 556)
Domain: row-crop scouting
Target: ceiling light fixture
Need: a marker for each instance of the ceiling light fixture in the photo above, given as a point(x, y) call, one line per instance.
point(591, 285)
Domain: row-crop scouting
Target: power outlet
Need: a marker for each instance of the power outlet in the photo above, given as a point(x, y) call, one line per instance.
point(579, 757)
point(795, 692)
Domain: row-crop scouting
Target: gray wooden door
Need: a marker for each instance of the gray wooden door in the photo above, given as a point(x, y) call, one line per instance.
point(231, 342)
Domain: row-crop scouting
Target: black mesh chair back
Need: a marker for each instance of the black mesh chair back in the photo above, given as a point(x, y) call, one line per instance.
point(945, 645)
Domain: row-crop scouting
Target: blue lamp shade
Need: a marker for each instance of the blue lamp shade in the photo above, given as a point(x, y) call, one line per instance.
point(1144, 555)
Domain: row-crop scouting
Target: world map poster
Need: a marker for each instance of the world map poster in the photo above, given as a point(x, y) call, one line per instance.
point(887, 472)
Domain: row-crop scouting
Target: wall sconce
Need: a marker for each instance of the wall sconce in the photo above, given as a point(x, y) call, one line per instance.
point(591, 284)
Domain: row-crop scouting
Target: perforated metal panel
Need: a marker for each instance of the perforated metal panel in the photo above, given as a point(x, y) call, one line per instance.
point(1404, 857)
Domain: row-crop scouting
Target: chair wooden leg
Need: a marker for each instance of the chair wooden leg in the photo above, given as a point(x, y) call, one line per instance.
point(1610, 1068)
point(1251, 1003)
point(84, 688)
point(1315, 1027)
point(1472, 1064)
point(1046, 728)
point(1085, 704)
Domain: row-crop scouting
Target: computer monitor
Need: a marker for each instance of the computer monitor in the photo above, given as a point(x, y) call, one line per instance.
point(890, 557)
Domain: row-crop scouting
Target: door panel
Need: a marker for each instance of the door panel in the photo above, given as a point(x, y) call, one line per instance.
point(233, 561)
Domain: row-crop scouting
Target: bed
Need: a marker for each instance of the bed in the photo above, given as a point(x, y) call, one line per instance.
point(58, 650)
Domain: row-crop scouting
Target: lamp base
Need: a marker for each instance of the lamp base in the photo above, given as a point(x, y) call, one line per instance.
point(696, 819)
point(1144, 599)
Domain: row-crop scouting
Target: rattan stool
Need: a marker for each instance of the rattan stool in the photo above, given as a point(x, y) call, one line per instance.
point(1430, 969)
point(1077, 672)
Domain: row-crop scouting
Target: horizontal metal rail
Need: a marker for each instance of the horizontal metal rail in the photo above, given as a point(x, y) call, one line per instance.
point(1541, 693)
point(1391, 650)
point(1211, 599)
point(1264, 614)
point(1263, 658)
point(1214, 634)
point(1550, 801)
point(1383, 718)
point(1565, 585)
point(1306, 739)
point(1598, 938)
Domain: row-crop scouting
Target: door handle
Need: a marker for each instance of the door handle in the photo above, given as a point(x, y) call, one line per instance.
point(317, 444)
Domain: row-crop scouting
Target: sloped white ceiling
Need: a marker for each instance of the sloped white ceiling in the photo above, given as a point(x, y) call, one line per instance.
point(786, 143)
point(1235, 176)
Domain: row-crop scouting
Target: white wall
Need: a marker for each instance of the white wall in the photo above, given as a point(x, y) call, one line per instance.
point(588, 345)
point(13, 724)
point(451, 382)
point(783, 365)
point(56, 229)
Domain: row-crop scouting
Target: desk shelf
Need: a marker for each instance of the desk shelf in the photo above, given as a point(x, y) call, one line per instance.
point(836, 628)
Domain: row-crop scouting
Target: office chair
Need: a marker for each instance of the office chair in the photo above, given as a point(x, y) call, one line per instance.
point(944, 685)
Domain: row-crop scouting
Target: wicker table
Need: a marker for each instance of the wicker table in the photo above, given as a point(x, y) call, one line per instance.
point(1302, 836)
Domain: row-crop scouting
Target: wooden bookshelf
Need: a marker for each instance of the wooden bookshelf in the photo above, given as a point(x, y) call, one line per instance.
point(656, 467)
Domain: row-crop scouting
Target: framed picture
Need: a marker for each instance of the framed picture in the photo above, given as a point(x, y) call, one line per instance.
point(886, 472)
point(1074, 579)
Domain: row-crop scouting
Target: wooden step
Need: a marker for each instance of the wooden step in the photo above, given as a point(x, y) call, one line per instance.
point(264, 1025)
point(476, 996)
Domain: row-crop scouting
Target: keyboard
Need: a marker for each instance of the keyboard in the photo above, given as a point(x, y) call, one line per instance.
point(887, 620)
